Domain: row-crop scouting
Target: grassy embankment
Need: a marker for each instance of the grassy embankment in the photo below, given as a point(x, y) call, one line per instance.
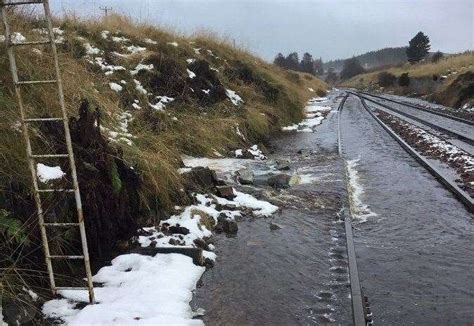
point(149, 139)
point(448, 81)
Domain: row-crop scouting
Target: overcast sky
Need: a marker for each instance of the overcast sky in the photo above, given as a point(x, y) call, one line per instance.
point(329, 29)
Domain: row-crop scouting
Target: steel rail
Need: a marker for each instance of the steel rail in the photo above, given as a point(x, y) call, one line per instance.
point(459, 193)
point(358, 311)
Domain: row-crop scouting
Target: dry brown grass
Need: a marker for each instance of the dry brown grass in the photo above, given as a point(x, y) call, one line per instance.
point(157, 154)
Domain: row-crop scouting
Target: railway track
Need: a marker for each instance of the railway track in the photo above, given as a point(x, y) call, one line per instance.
point(360, 307)
point(418, 107)
point(459, 193)
point(452, 129)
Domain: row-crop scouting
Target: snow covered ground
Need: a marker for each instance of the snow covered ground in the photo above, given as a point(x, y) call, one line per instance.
point(137, 290)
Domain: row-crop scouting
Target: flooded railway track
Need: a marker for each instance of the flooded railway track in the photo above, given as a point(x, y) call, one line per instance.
point(415, 246)
point(445, 180)
point(451, 126)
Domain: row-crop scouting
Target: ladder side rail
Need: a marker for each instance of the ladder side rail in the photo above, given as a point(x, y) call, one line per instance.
point(14, 72)
point(77, 193)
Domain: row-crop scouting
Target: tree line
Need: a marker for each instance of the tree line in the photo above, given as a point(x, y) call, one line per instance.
point(417, 50)
point(307, 63)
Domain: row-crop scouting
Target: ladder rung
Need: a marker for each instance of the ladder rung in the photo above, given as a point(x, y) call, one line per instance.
point(55, 190)
point(29, 43)
point(74, 288)
point(65, 257)
point(42, 119)
point(34, 82)
point(48, 155)
point(60, 224)
point(20, 3)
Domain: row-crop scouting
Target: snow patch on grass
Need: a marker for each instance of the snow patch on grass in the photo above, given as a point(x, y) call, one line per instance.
point(90, 50)
point(133, 49)
point(150, 41)
point(161, 104)
point(139, 87)
point(137, 290)
point(115, 87)
point(191, 74)
point(233, 97)
point(141, 67)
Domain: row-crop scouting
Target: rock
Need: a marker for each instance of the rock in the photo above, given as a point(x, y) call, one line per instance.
point(274, 226)
point(225, 224)
point(178, 229)
point(175, 242)
point(202, 178)
point(247, 155)
point(279, 181)
point(225, 192)
point(283, 165)
point(245, 176)
point(221, 182)
point(200, 243)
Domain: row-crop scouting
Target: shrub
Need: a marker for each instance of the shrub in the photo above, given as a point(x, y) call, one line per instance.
point(386, 79)
point(404, 80)
point(437, 56)
point(352, 67)
point(435, 77)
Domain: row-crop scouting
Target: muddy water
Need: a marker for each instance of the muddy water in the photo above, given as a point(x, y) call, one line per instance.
point(416, 255)
point(295, 274)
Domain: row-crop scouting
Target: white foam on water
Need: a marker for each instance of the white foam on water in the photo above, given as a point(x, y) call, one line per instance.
point(359, 210)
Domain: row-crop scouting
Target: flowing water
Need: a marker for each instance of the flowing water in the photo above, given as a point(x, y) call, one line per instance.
point(416, 250)
point(414, 241)
point(297, 274)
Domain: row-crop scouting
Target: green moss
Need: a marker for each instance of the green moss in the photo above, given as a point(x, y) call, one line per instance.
point(115, 178)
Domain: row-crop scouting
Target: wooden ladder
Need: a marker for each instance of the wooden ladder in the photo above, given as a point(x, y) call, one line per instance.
point(32, 157)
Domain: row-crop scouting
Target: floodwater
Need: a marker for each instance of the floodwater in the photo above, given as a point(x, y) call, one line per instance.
point(416, 255)
point(296, 274)
point(414, 241)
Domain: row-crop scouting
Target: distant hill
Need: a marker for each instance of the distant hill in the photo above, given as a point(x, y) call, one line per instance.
point(373, 59)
